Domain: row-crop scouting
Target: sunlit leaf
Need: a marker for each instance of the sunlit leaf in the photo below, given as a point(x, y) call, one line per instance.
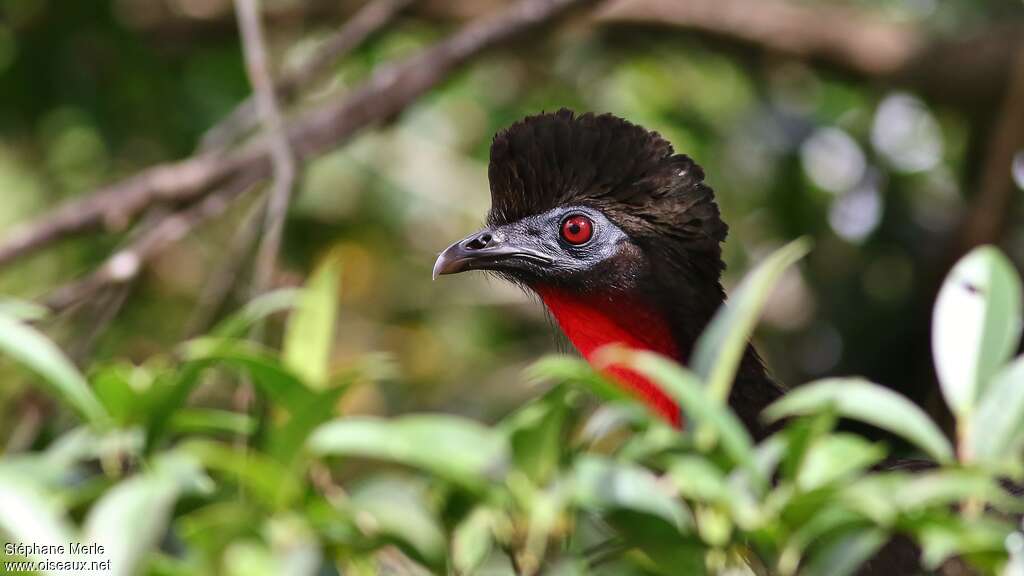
point(684, 387)
point(24, 310)
point(835, 457)
point(130, 519)
point(37, 353)
point(537, 435)
point(278, 382)
point(256, 310)
point(265, 479)
point(578, 372)
point(996, 432)
point(396, 510)
point(455, 448)
point(193, 420)
point(473, 540)
point(603, 484)
point(28, 515)
point(719, 350)
point(976, 325)
point(858, 399)
point(845, 553)
point(310, 333)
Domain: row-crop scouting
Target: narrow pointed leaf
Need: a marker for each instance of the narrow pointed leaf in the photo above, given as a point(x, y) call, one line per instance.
point(976, 325)
point(36, 352)
point(858, 399)
point(455, 448)
point(310, 334)
point(256, 310)
point(719, 350)
point(686, 389)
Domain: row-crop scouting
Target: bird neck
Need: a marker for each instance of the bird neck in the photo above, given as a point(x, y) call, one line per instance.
point(591, 321)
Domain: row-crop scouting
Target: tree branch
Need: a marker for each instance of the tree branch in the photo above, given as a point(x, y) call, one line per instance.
point(244, 118)
point(281, 158)
point(387, 92)
point(125, 265)
point(967, 71)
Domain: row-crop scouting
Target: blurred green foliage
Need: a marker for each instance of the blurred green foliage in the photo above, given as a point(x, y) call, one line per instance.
point(170, 487)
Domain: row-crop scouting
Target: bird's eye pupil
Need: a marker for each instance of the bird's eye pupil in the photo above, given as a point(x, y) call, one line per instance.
point(577, 230)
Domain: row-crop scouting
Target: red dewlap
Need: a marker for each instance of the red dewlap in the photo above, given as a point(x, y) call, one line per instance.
point(593, 321)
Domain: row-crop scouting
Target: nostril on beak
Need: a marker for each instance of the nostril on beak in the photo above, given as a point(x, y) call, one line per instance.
point(480, 242)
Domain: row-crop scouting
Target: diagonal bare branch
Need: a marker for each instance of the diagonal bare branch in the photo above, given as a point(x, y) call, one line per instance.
point(386, 93)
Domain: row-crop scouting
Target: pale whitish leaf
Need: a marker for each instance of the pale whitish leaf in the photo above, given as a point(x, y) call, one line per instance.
point(858, 399)
point(720, 348)
point(846, 553)
point(835, 457)
point(250, 558)
point(294, 544)
point(310, 334)
point(28, 515)
point(130, 519)
point(22, 309)
point(37, 353)
point(997, 429)
point(684, 387)
point(603, 484)
point(451, 447)
point(975, 326)
point(256, 310)
point(473, 540)
point(397, 509)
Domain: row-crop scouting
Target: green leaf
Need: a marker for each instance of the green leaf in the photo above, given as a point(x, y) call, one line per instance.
point(193, 420)
point(943, 537)
point(24, 310)
point(537, 436)
point(578, 372)
point(833, 458)
point(858, 399)
point(265, 479)
point(255, 311)
point(131, 518)
point(37, 353)
point(996, 432)
point(976, 325)
point(29, 515)
point(845, 553)
point(603, 484)
point(473, 540)
point(454, 448)
point(686, 389)
point(396, 510)
point(310, 333)
point(719, 350)
point(278, 382)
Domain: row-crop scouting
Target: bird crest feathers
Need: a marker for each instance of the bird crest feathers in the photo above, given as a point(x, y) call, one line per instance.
point(601, 161)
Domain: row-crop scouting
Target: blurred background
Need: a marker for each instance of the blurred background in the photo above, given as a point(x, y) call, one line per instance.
point(890, 131)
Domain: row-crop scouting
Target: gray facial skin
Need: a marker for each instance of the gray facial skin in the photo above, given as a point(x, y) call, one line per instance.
point(532, 251)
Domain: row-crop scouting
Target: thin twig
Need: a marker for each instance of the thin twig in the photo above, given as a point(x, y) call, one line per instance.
point(386, 93)
point(223, 277)
point(244, 118)
point(281, 157)
point(126, 264)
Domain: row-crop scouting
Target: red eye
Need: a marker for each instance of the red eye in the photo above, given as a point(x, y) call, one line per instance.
point(577, 230)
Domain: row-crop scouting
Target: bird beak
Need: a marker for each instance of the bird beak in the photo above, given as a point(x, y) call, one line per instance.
point(488, 249)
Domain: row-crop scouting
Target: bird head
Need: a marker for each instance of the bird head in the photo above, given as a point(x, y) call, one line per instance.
point(618, 235)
